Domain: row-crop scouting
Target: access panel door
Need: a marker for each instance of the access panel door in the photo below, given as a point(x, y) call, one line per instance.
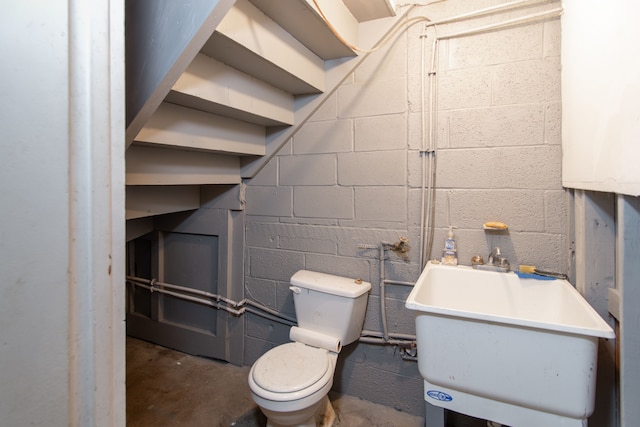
point(195, 251)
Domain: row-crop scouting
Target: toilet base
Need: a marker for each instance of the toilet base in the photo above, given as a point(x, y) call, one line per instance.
point(324, 416)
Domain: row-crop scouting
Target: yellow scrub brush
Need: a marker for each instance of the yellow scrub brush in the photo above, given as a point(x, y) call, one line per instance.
point(530, 269)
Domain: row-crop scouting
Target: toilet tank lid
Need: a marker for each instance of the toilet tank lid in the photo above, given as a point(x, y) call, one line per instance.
point(330, 284)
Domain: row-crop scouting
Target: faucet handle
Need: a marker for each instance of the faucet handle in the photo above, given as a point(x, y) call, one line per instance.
point(494, 253)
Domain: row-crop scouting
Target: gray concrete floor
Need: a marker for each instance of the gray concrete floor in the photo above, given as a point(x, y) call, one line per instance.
point(169, 388)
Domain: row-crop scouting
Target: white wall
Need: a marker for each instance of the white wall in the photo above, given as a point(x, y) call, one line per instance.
point(62, 212)
point(601, 96)
point(35, 214)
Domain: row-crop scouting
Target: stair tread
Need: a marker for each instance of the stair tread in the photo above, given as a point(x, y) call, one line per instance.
point(251, 42)
point(181, 127)
point(211, 86)
point(302, 20)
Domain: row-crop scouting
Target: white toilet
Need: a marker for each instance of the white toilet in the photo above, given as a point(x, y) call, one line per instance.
point(290, 382)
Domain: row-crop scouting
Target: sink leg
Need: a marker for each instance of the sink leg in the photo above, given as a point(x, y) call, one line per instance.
point(433, 415)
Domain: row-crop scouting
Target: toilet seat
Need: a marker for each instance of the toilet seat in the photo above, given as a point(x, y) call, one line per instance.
point(291, 371)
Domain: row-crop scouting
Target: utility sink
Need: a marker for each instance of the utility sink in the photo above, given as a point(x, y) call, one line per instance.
point(521, 352)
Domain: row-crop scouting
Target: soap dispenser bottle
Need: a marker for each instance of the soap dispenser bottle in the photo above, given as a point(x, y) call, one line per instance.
point(450, 252)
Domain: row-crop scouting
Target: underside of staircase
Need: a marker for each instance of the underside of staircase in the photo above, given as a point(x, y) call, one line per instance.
point(216, 87)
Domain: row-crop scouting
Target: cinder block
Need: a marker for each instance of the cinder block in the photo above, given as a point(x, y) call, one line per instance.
point(307, 244)
point(373, 168)
point(261, 235)
point(556, 205)
point(441, 207)
point(381, 133)
point(317, 169)
point(254, 348)
point(527, 82)
point(381, 203)
point(399, 318)
point(442, 132)
point(397, 269)
point(327, 111)
point(539, 249)
point(536, 167)
point(553, 124)
point(496, 47)
point(372, 320)
point(552, 37)
point(323, 202)
point(522, 210)
point(284, 299)
point(386, 358)
point(364, 379)
point(339, 266)
point(387, 63)
point(271, 201)
point(441, 211)
point(497, 126)
point(261, 290)
point(274, 264)
point(463, 89)
point(379, 97)
point(333, 136)
point(418, 164)
point(415, 87)
point(348, 246)
point(414, 130)
point(258, 327)
point(268, 175)
point(310, 221)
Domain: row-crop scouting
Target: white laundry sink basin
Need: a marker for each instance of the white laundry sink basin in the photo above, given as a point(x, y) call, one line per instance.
point(521, 352)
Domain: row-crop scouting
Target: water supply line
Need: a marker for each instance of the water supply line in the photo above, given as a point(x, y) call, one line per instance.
point(429, 149)
point(406, 341)
point(249, 306)
point(212, 300)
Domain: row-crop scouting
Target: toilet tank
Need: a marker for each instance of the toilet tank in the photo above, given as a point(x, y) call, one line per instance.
point(331, 305)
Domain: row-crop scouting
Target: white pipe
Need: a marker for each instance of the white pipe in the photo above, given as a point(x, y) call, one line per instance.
point(481, 12)
point(270, 317)
point(541, 15)
point(397, 282)
point(374, 334)
point(263, 311)
point(422, 149)
point(383, 307)
point(155, 286)
point(269, 310)
point(433, 147)
point(431, 153)
point(369, 340)
point(184, 289)
point(198, 300)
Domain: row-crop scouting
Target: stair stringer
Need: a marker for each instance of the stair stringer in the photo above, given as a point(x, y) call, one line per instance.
point(336, 72)
point(159, 65)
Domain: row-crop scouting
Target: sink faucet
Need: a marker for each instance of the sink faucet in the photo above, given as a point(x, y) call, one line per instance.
point(496, 259)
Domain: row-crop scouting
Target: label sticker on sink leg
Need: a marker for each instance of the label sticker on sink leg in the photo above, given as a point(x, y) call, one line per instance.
point(439, 395)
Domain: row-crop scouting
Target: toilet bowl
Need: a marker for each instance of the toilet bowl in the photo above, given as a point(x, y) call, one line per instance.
point(290, 382)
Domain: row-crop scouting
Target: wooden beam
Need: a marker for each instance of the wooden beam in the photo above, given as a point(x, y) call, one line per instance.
point(595, 264)
point(628, 284)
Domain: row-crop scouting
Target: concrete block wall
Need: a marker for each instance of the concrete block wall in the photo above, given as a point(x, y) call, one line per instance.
point(352, 175)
